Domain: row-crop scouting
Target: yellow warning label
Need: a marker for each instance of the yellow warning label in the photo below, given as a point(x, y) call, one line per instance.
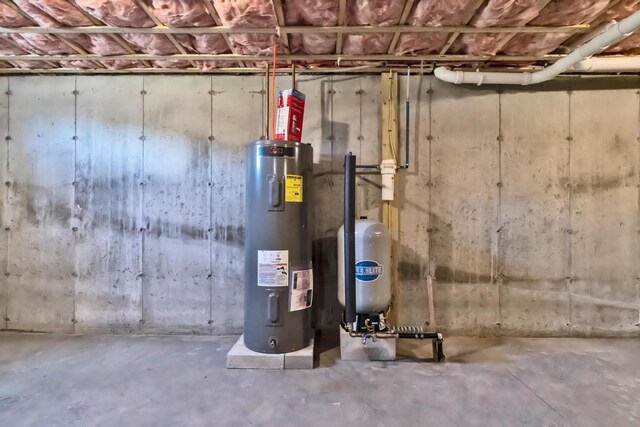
point(293, 191)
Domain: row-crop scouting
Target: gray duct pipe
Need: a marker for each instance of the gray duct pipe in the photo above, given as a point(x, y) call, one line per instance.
point(602, 41)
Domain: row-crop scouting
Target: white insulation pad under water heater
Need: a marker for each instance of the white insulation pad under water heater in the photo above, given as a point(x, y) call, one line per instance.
point(240, 357)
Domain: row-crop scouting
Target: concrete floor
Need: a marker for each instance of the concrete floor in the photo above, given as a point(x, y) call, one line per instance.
point(49, 380)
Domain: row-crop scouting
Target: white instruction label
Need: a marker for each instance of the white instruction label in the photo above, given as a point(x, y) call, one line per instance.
point(273, 268)
point(301, 290)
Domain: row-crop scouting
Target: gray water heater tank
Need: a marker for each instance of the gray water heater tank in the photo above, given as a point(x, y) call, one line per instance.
point(278, 275)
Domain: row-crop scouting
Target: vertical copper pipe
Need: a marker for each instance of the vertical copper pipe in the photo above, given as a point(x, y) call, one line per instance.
point(273, 95)
point(293, 76)
point(266, 102)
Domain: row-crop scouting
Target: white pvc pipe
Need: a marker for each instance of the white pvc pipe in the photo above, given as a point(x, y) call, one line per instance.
point(602, 41)
point(615, 64)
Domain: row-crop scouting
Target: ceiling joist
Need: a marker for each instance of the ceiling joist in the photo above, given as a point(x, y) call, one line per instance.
point(285, 57)
point(403, 19)
point(115, 37)
point(216, 18)
point(342, 17)
point(155, 20)
point(466, 19)
point(341, 29)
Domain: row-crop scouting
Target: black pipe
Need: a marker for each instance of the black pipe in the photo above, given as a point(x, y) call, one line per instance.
point(420, 335)
point(349, 238)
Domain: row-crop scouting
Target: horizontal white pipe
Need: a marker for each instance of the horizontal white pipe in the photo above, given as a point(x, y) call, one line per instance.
point(620, 64)
point(602, 41)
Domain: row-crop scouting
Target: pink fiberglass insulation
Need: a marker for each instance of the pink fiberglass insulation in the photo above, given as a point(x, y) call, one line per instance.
point(171, 63)
point(121, 64)
point(210, 43)
point(317, 13)
point(630, 45)
point(118, 13)
point(182, 13)
point(203, 43)
point(213, 65)
point(7, 47)
point(153, 44)
point(190, 13)
point(37, 14)
point(9, 17)
point(617, 12)
point(79, 65)
point(104, 45)
point(57, 13)
point(34, 65)
point(371, 12)
point(51, 12)
point(433, 13)
point(558, 12)
point(42, 44)
point(248, 13)
point(496, 13)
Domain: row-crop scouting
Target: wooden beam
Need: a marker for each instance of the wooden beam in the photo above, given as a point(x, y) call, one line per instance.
point(291, 57)
point(258, 71)
point(389, 121)
point(507, 39)
point(342, 17)
point(115, 37)
point(79, 50)
point(171, 38)
point(61, 39)
point(403, 19)
point(467, 19)
point(363, 29)
point(232, 70)
point(216, 18)
point(277, 6)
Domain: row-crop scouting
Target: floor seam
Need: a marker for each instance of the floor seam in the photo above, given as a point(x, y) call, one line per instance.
point(538, 396)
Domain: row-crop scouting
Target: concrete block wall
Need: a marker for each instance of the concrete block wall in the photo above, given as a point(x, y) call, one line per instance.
point(122, 205)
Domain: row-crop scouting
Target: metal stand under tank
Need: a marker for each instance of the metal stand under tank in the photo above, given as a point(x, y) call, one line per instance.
point(278, 272)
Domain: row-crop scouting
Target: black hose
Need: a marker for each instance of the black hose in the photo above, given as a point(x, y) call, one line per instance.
point(349, 238)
